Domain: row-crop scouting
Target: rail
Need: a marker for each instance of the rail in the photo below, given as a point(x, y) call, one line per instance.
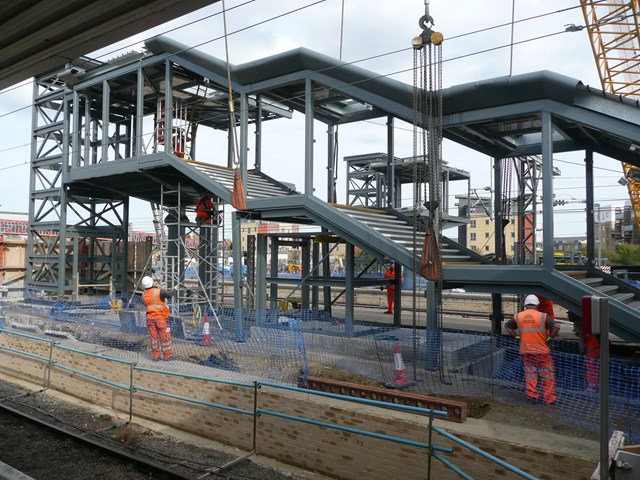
point(433, 451)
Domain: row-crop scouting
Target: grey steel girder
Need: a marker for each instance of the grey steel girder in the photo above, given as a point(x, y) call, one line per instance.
point(560, 288)
point(145, 163)
point(351, 230)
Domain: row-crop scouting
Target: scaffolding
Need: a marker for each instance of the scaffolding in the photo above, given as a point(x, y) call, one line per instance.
point(193, 264)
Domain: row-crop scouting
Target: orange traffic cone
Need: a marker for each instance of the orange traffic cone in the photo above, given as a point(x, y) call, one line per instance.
point(206, 332)
point(399, 370)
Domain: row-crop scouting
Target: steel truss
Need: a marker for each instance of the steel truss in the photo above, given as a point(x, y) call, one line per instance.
point(74, 242)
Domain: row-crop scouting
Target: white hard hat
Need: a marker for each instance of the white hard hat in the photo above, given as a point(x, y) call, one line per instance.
point(531, 300)
point(147, 282)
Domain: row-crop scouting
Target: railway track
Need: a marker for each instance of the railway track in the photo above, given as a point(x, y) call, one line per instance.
point(46, 438)
point(92, 457)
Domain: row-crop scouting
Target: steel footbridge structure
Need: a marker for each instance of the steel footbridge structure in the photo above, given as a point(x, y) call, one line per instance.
point(128, 129)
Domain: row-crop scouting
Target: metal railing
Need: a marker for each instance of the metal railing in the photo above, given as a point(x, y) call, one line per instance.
point(432, 450)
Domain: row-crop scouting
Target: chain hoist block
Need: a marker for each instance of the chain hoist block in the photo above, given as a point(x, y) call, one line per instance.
point(428, 35)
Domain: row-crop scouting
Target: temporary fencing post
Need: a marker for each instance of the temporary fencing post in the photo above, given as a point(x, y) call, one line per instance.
point(430, 444)
point(131, 391)
point(206, 331)
point(49, 366)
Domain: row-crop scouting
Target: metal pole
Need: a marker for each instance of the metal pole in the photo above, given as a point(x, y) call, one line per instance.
point(589, 191)
point(238, 281)
point(131, 391)
point(391, 180)
point(599, 261)
point(308, 137)
point(603, 307)
point(349, 268)
point(547, 191)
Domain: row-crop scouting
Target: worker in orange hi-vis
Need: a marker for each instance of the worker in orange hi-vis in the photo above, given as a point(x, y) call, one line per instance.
point(390, 274)
point(204, 210)
point(158, 319)
point(546, 306)
point(592, 349)
point(536, 329)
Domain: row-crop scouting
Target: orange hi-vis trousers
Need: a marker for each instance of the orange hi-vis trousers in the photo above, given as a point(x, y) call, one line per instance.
point(391, 295)
point(592, 363)
point(539, 365)
point(160, 334)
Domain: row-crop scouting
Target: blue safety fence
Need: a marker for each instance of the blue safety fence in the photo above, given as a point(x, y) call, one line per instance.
point(288, 346)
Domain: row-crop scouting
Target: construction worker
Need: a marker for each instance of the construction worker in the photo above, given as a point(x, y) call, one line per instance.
point(592, 350)
point(158, 319)
point(546, 306)
point(390, 274)
point(536, 329)
point(204, 210)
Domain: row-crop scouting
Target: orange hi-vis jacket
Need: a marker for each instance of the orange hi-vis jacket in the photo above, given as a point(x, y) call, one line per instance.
point(204, 208)
point(533, 332)
point(156, 308)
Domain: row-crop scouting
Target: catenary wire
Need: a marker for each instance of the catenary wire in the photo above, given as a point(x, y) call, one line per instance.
point(361, 60)
point(367, 58)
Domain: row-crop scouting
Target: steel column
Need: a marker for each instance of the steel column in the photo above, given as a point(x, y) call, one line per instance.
point(261, 279)
point(238, 280)
point(348, 287)
point(391, 178)
point(139, 125)
point(588, 167)
point(498, 214)
point(308, 137)
point(106, 103)
point(244, 132)
point(273, 288)
point(547, 191)
point(331, 152)
point(305, 264)
point(315, 272)
point(258, 132)
point(168, 106)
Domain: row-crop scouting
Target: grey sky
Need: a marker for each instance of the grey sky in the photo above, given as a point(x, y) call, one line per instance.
point(372, 30)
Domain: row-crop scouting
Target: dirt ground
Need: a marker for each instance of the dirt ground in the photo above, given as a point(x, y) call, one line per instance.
point(528, 416)
point(53, 458)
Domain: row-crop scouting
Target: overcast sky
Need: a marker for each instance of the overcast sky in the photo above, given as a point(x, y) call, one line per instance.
point(380, 31)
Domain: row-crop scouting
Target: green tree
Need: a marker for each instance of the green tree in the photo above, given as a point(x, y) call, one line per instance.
point(626, 254)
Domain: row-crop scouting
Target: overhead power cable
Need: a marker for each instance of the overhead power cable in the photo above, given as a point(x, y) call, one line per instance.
point(479, 52)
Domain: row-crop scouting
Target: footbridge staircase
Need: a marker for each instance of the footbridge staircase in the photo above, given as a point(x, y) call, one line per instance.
point(386, 233)
point(538, 113)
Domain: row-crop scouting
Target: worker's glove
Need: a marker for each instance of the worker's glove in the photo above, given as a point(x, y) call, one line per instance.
point(517, 337)
point(175, 287)
point(549, 339)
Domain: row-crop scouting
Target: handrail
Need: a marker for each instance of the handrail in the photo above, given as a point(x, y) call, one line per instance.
point(26, 354)
point(195, 377)
point(96, 355)
point(92, 377)
point(366, 433)
point(484, 454)
point(194, 400)
point(20, 334)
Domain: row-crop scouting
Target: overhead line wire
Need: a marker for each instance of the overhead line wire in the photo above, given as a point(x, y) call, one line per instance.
point(356, 61)
point(193, 22)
